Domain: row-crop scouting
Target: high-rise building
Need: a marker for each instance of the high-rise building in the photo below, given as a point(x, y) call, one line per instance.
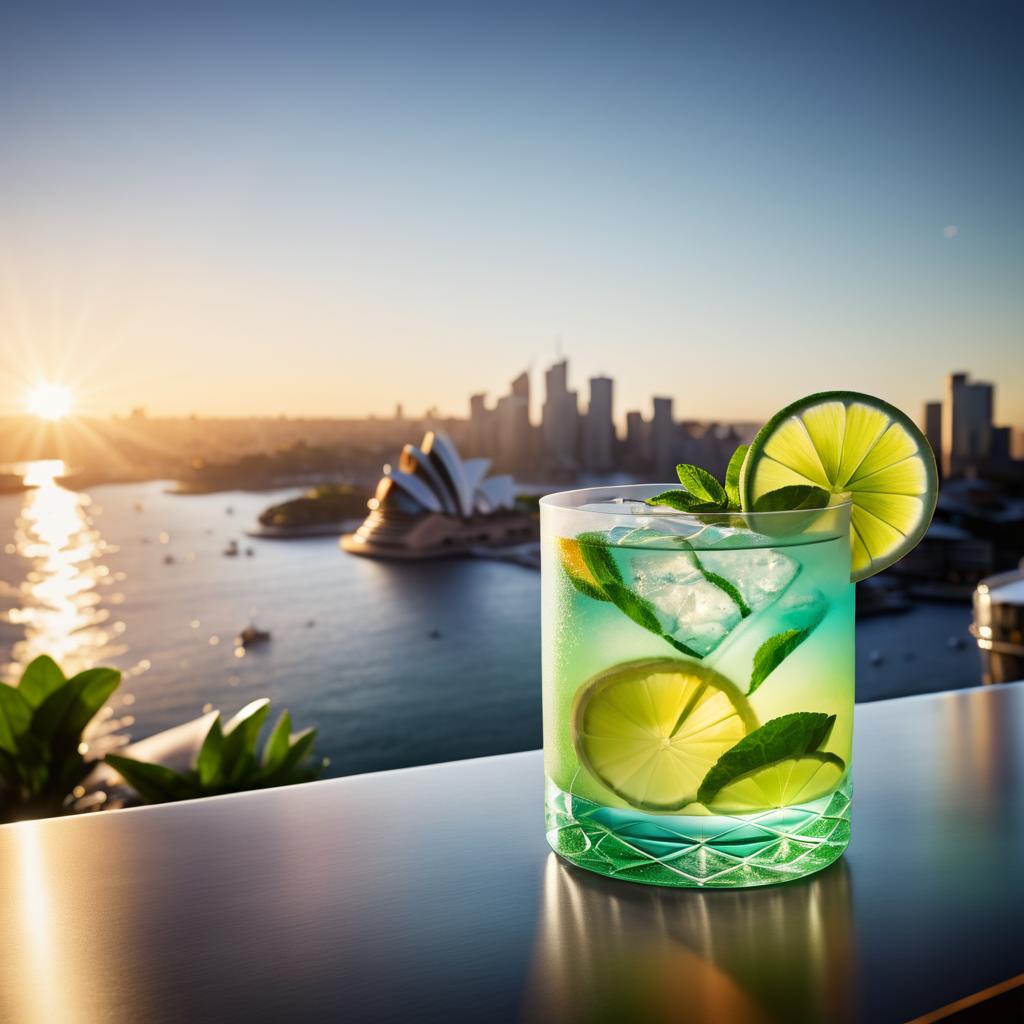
point(638, 439)
point(513, 433)
point(1002, 443)
point(663, 431)
point(481, 426)
point(966, 424)
point(599, 428)
point(559, 419)
point(932, 427)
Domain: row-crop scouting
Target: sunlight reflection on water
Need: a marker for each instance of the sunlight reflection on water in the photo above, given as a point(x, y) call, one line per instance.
point(61, 608)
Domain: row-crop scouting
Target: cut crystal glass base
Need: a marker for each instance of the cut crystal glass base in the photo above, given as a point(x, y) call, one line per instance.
point(714, 851)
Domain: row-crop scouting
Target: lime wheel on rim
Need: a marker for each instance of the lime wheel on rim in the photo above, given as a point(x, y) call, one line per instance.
point(849, 443)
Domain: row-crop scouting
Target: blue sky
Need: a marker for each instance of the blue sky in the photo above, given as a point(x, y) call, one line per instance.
point(325, 209)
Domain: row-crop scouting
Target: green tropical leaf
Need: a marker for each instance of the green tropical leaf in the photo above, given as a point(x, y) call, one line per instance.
point(15, 715)
point(93, 688)
point(210, 762)
point(732, 476)
point(789, 736)
point(290, 768)
point(700, 483)
point(41, 677)
point(155, 783)
point(771, 654)
point(276, 747)
point(240, 738)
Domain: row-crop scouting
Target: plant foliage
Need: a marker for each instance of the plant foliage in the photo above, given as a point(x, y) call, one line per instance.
point(229, 760)
point(41, 724)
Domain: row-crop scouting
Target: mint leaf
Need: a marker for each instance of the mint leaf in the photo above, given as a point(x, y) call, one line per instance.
point(789, 736)
point(586, 588)
point(639, 610)
point(700, 483)
point(791, 498)
point(723, 584)
point(598, 559)
point(732, 476)
point(680, 646)
point(771, 654)
point(683, 501)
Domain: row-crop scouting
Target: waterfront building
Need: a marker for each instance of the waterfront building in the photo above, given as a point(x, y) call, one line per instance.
point(436, 503)
point(599, 428)
point(966, 424)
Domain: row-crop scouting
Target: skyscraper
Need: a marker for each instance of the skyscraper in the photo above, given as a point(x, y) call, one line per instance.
point(663, 448)
point(559, 419)
point(599, 429)
point(513, 441)
point(638, 437)
point(966, 424)
point(481, 423)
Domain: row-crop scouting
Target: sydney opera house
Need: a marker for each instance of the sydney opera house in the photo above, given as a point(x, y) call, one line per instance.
point(436, 503)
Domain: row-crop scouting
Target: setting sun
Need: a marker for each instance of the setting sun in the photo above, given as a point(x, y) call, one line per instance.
point(49, 401)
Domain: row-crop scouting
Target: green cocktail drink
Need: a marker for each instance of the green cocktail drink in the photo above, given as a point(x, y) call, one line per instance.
point(699, 649)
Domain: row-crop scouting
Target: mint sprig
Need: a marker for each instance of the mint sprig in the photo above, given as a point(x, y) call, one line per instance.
point(703, 493)
point(732, 475)
point(793, 735)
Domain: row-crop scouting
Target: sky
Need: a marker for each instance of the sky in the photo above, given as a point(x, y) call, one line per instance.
point(325, 209)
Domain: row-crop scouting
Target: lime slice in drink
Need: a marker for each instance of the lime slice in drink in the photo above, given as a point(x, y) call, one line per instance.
point(785, 783)
point(650, 730)
point(853, 444)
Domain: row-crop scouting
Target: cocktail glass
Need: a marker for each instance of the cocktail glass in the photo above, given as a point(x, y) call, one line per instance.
point(698, 688)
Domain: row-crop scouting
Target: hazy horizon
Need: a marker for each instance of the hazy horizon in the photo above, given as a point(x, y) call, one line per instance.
point(326, 210)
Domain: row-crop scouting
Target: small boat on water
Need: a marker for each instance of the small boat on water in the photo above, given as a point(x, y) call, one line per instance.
point(251, 637)
point(231, 551)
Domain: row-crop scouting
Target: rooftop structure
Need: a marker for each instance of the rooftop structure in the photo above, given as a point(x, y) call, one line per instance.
point(434, 503)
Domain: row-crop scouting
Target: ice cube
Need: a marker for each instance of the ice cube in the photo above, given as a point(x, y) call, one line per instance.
point(693, 594)
point(759, 574)
point(803, 610)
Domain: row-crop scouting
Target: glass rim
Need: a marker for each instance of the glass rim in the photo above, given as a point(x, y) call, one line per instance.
point(574, 500)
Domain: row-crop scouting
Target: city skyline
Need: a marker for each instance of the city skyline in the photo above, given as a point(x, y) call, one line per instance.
point(328, 214)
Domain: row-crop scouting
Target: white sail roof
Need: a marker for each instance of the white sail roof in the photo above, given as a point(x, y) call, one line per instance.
point(415, 488)
point(413, 461)
point(447, 461)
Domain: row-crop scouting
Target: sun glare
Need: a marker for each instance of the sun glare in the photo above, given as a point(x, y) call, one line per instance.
point(49, 401)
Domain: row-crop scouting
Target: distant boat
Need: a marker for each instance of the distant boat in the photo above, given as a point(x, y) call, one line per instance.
point(251, 636)
point(231, 551)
